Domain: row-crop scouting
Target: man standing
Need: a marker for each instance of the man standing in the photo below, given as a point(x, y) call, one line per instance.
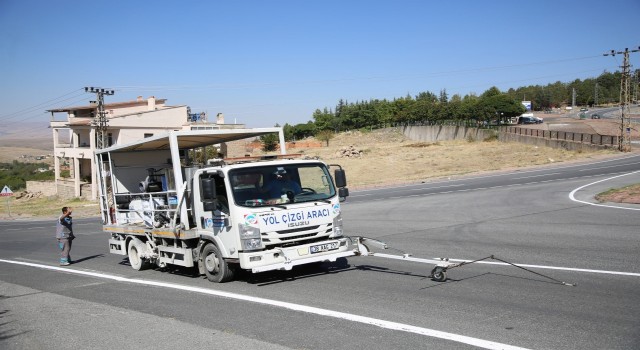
point(64, 234)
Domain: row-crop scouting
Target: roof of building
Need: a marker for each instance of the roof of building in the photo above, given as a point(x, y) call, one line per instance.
point(139, 102)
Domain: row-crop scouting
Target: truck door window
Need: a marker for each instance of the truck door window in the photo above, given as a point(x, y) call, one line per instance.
point(221, 195)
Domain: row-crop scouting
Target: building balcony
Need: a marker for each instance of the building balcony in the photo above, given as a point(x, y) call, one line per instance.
point(73, 152)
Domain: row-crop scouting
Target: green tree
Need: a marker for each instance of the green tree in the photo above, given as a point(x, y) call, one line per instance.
point(325, 135)
point(325, 119)
point(269, 142)
point(492, 91)
point(444, 98)
point(500, 106)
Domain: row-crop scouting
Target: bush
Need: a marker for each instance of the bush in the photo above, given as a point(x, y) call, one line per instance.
point(492, 137)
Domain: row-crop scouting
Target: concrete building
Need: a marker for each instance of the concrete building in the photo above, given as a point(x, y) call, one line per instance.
point(74, 139)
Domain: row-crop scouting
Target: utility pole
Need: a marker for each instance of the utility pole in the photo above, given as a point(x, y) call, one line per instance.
point(573, 99)
point(100, 120)
point(635, 82)
point(624, 141)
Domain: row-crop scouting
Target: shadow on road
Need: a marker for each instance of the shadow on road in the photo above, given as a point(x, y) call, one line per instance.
point(87, 258)
point(316, 270)
point(486, 274)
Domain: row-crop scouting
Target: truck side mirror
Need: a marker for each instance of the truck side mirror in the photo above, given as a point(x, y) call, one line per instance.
point(343, 193)
point(341, 178)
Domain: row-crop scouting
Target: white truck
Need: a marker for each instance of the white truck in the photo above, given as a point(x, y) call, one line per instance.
point(162, 207)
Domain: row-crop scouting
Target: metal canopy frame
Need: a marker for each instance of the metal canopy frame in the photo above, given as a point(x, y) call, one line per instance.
point(193, 139)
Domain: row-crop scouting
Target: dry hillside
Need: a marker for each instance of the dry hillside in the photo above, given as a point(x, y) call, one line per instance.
point(383, 157)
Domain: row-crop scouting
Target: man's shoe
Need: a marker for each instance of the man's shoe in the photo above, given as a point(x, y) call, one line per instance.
point(64, 264)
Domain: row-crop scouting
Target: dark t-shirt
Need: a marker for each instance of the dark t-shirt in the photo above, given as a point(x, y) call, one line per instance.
point(64, 228)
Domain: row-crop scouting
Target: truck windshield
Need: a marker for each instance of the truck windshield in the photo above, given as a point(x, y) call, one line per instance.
point(281, 184)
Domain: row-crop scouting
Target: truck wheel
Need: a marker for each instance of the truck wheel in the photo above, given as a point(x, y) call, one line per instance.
point(215, 267)
point(136, 262)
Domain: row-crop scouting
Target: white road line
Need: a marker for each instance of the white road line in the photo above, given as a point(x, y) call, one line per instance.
point(573, 198)
point(25, 228)
point(481, 343)
point(551, 267)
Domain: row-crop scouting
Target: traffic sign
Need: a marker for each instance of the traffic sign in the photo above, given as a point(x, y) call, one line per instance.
point(6, 191)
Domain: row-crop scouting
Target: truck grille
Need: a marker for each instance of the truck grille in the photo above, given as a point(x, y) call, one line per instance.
point(296, 235)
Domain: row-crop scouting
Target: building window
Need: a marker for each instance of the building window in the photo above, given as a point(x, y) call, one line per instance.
point(147, 135)
point(109, 139)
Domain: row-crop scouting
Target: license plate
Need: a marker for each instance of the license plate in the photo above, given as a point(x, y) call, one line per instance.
point(323, 247)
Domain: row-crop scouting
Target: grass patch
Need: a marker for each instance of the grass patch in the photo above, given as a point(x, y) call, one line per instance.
point(46, 207)
point(627, 194)
point(421, 144)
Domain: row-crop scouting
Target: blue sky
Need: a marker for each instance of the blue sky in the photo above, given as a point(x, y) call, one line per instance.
point(267, 62)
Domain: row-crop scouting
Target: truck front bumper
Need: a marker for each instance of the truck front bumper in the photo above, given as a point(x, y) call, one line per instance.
point(287, 258)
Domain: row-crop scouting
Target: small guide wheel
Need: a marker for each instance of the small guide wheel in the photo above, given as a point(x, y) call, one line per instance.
point(439, 274)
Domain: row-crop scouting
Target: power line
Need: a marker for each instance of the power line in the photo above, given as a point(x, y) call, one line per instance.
point(377, 78)
point(42, 104)
point(38, 112)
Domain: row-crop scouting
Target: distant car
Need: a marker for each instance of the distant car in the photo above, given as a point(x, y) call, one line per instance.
point(595, 116)
point(527, 120)
point(583, 109)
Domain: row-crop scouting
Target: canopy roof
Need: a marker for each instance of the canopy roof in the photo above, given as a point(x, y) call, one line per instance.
point(191, 139)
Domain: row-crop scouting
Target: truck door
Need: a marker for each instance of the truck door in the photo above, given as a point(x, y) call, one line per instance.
point(215, 213)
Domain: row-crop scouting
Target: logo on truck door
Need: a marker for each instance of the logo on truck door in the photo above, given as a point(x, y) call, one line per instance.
point(250, 219)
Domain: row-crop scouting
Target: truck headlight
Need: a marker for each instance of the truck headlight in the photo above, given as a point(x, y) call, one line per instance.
point(250, 237)
point(251, 244)
point(247, 232)
point(337, 227)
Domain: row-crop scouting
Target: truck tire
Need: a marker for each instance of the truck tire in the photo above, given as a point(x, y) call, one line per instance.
point(135, 260)
point(215, 267)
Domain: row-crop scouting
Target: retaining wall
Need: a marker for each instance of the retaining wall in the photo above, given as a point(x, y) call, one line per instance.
point(48, 188)
point(432, 133)
point(555, 139)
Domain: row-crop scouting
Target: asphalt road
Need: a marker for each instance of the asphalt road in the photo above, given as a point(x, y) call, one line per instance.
point(543, 219)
